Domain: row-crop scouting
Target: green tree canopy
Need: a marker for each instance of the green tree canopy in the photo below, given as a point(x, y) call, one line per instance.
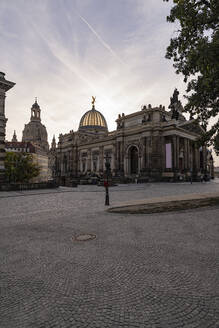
point(195, 52)
point(19, 167)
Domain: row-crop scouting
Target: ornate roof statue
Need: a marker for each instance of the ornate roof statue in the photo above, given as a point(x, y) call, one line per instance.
point(175, 105)
point(175, 96)
point(93, 101)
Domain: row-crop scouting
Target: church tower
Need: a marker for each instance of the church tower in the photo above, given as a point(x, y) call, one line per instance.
point(35, 112)
point(14, 139)
point(35, 131)
point(53, 144)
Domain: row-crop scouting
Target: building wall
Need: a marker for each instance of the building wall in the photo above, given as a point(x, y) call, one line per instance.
point(42, 161)
point(5, 85)
point(147, 143)
point(39, 157)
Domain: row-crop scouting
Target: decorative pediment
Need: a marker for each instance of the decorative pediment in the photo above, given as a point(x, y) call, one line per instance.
point(192, 127)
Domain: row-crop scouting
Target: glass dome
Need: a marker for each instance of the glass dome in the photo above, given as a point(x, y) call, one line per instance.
point(93, 119)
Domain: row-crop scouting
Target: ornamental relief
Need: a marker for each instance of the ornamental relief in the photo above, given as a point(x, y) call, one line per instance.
point(95, 153)
point(194, 127)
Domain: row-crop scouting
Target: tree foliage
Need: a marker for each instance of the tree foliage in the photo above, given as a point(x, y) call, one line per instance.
point(19, 167)
point(195, 52)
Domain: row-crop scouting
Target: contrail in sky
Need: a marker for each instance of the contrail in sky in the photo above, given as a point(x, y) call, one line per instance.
point(100, 39)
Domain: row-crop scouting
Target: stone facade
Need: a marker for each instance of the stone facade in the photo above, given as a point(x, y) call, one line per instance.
point(152, 143)
point(4, 87)
point(40, 157)
point(34, 141)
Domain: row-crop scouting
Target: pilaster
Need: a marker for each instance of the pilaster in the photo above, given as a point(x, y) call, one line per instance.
point(149, 152)
point(185, 154)
point(144, 157)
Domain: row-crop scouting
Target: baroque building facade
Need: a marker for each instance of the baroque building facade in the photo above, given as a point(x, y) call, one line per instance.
point(35, 133)
point(150, 144)
point(5, 85)
point(34, 142)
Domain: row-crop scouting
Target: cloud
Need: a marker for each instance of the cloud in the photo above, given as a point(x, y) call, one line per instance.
point(64, 52)
point(100, 39)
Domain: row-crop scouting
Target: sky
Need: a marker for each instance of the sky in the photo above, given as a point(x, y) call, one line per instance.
point(65, 51)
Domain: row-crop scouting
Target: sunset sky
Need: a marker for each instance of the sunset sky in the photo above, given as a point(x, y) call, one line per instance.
point(65, 51)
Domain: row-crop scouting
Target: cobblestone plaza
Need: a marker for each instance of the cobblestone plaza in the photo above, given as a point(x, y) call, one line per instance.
point(140, 271)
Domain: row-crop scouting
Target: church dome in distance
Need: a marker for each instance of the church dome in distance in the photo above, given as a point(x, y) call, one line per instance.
point(35, 131)
point(93, 120)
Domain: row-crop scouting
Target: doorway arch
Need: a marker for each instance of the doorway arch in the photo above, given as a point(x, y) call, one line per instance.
point(133, 160)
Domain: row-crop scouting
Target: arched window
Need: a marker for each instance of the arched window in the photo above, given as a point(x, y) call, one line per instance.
point(133, 157)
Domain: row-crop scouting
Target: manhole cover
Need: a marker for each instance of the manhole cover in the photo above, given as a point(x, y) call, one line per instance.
point(84, 237)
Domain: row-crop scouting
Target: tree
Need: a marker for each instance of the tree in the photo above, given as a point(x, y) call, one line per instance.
point(195, 52)
point(217, 144)
point(19, 167)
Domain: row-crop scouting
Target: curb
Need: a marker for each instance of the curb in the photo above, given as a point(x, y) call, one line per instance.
point(152, 206)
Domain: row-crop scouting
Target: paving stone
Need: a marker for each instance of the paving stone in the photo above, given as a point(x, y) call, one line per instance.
point(154, 270)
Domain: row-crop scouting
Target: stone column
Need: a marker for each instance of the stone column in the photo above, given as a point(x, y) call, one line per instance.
point(197, 158)
point(118, 157)
point(4, 87)
point(80, 163)
point(163, 156)
point(89, 160)
point(75, 161)
point(114, 160)
point(175, 153)
point(122, 155)
point(204, 158)
point(189, 155)
point(101, 159)
point(148, 152)
point(143, 155)
point(185, 154)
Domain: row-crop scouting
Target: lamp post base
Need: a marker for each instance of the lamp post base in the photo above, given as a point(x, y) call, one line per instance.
point(107, 197)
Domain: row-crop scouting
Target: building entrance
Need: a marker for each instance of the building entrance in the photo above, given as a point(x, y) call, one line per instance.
point(133, 160)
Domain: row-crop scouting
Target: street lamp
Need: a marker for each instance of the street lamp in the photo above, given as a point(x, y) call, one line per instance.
point(106, 182)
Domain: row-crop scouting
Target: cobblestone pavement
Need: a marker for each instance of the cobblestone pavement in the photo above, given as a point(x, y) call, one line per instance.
point(141, 271)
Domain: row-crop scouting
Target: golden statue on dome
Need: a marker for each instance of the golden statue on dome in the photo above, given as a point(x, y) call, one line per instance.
point(93, 100)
